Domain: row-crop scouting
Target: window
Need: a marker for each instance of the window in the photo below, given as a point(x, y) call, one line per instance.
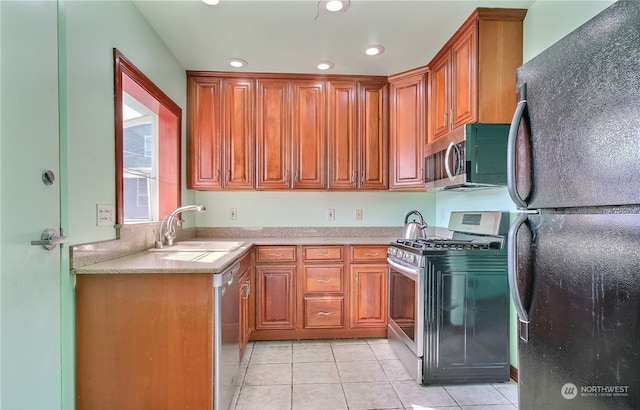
point(148, 138)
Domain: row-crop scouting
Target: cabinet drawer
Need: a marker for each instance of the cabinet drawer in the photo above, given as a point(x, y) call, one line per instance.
point(322, 253)
point(323, 279)
point(323, 312)
point(369, 253)
point(275, 254)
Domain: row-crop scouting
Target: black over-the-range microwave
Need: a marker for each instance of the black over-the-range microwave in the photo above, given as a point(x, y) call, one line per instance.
point(478, 159)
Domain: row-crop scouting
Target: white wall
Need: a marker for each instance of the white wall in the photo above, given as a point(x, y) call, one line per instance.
point(94, 28)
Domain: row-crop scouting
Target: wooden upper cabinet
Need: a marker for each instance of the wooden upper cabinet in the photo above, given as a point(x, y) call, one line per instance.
point(463, 74)
point(342, 134)
point(273, 134)
point(373, 144)
point(220, 133)
point(357, 135)
point(204, 133)
point(291, 134)
point(407, 130)
point(452, 96)
point(308, 135)
point(472, 78)
point(239, 143)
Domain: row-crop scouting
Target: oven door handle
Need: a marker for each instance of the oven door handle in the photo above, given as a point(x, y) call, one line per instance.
point(405, 270)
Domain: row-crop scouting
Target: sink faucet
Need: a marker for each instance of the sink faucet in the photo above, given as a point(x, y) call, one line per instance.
point(167, 230)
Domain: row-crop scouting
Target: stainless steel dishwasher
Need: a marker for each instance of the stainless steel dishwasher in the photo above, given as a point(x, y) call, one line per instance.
point(226, 327)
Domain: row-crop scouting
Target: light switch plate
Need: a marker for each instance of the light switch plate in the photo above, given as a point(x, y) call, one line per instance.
point(105, 215)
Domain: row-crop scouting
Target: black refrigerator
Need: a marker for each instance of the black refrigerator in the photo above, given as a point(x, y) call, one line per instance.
point(574, 250)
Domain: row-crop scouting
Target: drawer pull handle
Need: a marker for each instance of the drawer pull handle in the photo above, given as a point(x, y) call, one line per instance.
point(324, 280)
point(371, 253)
point(324, 254)
point(324, 313)
point(276, 255)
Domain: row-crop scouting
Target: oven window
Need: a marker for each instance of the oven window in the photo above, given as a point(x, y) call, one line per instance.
point(402, 303)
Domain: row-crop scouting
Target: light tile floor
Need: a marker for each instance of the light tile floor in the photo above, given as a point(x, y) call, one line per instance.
point(349, 374)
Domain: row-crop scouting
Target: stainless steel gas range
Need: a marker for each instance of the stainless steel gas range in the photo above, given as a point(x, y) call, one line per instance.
point(449, 301)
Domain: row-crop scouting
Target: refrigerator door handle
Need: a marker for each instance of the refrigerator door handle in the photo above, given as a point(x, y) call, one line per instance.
point(512, 266)
point(511, 149)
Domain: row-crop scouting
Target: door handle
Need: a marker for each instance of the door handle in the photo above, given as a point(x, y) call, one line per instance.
point(511, 150)
point(512, 272)
point(50, 239)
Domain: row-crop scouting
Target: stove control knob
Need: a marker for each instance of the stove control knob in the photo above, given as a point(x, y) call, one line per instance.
point(410, 257)
point(392, 251)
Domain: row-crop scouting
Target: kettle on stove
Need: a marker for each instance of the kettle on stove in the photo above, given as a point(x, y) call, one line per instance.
point(413, 229)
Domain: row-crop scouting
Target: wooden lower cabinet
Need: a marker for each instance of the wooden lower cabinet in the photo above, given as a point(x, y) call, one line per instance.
point(275, 295)
point(368, 287)
point(144, 341)
point(368, 296)
point(320, 291)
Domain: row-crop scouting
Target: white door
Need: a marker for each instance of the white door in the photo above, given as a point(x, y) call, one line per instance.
point(30, 276)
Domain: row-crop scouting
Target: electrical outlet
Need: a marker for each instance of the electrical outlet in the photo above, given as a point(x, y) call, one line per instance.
point(105, 215)
point(358, 214)
point(331, 214)
point(233, 214)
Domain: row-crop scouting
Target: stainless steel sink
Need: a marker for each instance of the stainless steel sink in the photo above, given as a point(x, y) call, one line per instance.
point(200, 246)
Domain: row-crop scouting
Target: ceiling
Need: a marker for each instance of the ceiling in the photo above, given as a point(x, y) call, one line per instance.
point(293, 36)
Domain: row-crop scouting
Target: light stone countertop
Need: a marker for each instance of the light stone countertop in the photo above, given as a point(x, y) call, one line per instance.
point(212, 262)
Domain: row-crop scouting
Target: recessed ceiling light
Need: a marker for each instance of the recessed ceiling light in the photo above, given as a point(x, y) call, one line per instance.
point(237, 63)
point(335, 6)
point(374, 50)
point(325, 65)
point(211, 2)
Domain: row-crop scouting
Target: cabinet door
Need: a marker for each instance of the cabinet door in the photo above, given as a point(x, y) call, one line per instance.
point(275, 297)
point(308, 135)
point(368, 295)
point(373, 142)
point(342, 137)
point(407, 132)
point(239, 134)
point(273, 134)
point(464, 91)
point(204, 133)
point(439, 97)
